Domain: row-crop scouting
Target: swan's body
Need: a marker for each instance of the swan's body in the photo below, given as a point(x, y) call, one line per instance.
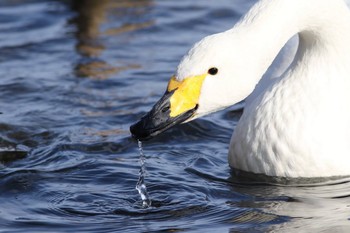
point(299, 125)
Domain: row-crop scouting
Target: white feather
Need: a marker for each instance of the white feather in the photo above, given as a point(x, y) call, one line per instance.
point(297, 120)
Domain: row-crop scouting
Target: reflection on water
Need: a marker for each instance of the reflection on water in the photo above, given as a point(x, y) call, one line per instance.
point(90, 19)
point(76, 166)
point(90, 16)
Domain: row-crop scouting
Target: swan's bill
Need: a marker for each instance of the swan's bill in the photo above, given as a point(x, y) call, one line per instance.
point(186, 94)
point(178, 104)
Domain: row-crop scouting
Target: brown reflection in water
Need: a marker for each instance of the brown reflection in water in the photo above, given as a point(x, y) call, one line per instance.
point(91, 15)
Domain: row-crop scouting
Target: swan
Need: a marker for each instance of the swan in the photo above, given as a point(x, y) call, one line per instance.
point(298, 124)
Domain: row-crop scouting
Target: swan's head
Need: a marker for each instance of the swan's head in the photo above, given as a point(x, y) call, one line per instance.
point(213, 75)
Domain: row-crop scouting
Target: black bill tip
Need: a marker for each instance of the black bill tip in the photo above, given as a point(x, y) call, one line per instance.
point(142, 130)
point(157, 121)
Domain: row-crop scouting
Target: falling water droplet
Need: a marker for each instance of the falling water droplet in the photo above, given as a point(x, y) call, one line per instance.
point(141, 186)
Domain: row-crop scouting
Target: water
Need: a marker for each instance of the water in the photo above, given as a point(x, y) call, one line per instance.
point(141, 185)
point(75, 75)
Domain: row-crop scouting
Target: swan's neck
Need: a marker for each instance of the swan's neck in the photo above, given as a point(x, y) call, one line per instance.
point(322, 25)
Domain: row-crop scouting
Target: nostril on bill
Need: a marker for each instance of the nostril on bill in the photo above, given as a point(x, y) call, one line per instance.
point(166, 108)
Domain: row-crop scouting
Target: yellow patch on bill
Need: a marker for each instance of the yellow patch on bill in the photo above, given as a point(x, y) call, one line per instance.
point(173, 84)
point(186, 94)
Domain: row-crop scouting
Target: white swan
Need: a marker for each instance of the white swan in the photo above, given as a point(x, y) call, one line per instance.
point(299, 126)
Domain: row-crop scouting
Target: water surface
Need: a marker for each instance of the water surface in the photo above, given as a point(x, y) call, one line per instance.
point(75, 75)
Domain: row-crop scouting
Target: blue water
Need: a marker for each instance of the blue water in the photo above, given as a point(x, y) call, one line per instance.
point(74, 75)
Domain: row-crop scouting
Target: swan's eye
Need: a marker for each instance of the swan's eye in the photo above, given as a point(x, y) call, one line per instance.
point(213, 71)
